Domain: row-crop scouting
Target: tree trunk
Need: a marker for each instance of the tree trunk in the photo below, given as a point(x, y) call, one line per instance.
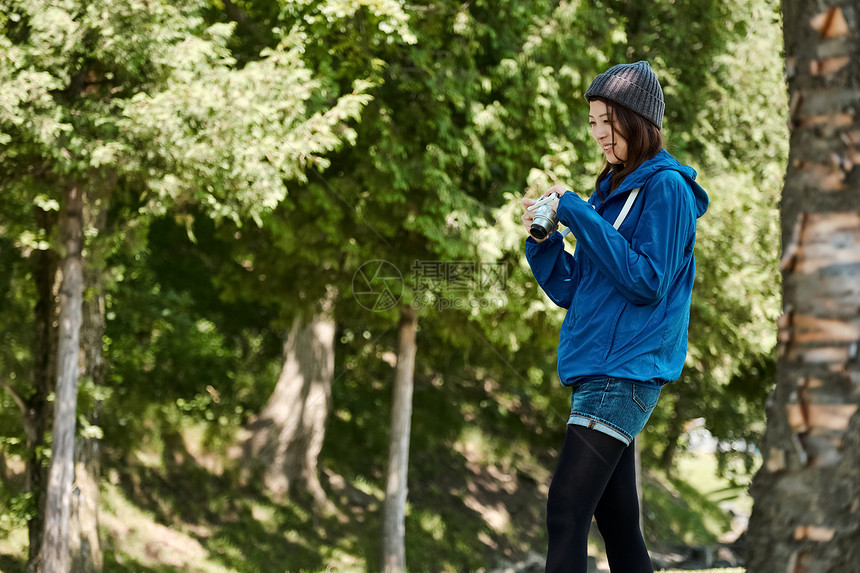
point(286, 439)
point(807, 495)
point(394, 513)
point(55, 549)
point(84, 543)
point(38, 410)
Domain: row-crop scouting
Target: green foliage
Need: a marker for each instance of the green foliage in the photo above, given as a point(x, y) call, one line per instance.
point(143, 106)
point(18, 508)
point(143, 109)
point(177, 353)
point(741, 130)
point(728, 121)
point(251, 154)
point(229, 142)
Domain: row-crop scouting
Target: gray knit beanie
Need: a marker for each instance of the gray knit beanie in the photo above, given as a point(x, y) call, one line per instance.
point(633, 86)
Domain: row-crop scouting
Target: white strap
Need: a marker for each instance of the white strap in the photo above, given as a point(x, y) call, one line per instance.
point(631, 198)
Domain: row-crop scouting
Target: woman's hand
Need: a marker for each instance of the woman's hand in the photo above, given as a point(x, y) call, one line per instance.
point(555, 189)
point(529, 216)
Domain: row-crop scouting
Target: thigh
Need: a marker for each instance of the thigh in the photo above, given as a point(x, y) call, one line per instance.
point(620, 498)
point(586, 463)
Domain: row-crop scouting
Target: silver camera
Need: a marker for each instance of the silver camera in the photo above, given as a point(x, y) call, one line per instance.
point(545, 221)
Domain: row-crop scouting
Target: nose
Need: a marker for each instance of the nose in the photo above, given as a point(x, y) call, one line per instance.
point(601, 131)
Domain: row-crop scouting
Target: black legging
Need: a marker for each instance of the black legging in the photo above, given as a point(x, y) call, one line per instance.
point(596, 476)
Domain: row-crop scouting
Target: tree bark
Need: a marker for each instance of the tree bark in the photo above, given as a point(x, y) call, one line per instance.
point(286, 438)
point(806, 513)
point(46, 277)
point(54, 556)
point(394, 512)
point(84, 542)
point(85, 549)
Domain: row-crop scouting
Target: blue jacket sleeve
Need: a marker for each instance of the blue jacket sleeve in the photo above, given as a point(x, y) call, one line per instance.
point(553, 267)
point(643, 269)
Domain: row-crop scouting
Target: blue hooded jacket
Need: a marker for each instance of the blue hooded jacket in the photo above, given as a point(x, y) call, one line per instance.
point(627, 291)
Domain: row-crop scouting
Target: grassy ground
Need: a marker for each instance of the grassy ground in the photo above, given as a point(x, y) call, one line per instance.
point(469, 508)
point(469, 505)
point(732, 570)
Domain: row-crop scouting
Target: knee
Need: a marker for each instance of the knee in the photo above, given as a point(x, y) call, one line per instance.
point(621, 525)
point(563, 511)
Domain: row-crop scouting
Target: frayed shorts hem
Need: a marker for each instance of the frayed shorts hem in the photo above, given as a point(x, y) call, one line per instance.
point(601, 426)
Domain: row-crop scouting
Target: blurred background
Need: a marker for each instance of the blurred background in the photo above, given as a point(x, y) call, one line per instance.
point(301, 250)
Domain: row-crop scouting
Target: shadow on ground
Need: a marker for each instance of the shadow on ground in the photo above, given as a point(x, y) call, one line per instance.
point(10, 564)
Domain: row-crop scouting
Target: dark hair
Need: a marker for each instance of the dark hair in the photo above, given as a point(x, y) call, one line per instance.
point(643, 138)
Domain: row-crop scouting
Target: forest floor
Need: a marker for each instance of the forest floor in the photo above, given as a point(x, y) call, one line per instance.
point(163, 514)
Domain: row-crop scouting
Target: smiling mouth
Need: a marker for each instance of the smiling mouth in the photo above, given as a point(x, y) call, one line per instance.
point(608, 147)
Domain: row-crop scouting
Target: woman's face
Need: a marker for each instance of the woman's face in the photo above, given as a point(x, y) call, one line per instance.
point(614, 146)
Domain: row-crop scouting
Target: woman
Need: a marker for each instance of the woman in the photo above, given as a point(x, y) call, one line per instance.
point(627, 290)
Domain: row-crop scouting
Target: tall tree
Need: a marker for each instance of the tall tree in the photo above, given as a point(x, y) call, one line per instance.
point(147, 97)
point(36, 416)
point(286, 437)
point(84, 540)
point(300, 248)
point(396, 485)
point(466, 88)
point(806, 493)
point(55, 556)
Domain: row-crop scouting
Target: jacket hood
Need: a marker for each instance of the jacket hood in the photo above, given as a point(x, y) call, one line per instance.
point(662, 161)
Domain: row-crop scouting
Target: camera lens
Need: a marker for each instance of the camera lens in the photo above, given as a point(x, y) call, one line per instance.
point(544, 223)
point(539, 232)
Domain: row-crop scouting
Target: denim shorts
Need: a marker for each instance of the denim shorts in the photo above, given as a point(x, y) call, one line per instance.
point(619, 408)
